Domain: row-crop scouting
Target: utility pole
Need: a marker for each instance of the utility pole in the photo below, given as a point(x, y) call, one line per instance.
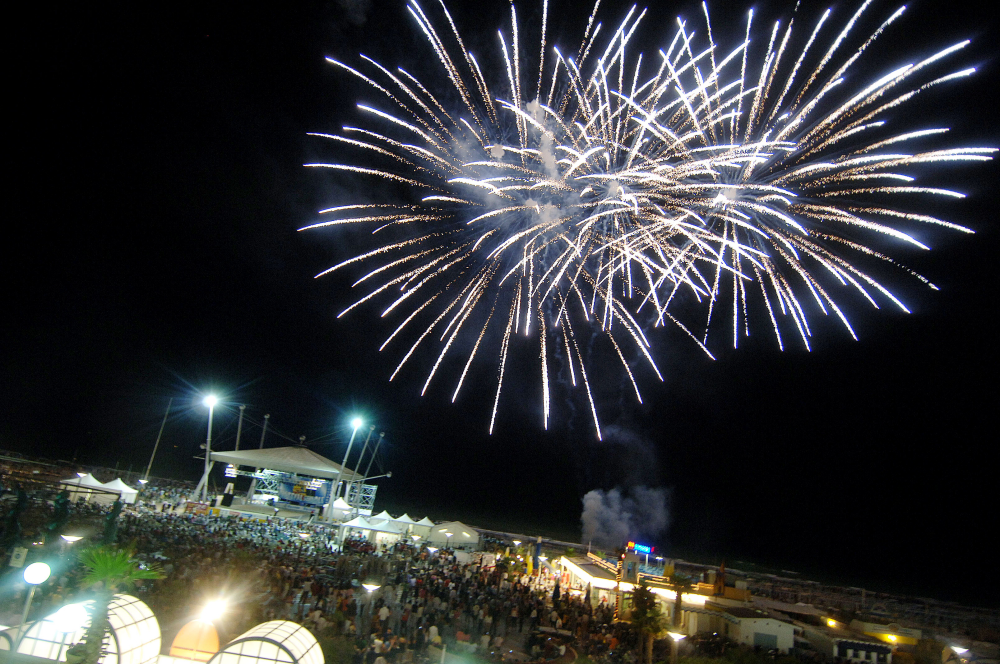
point(253, 482)
point(239, 427)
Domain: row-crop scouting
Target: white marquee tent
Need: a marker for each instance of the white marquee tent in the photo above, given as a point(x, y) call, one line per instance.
point(88, 487)
point(453, 533)
point(128, 494)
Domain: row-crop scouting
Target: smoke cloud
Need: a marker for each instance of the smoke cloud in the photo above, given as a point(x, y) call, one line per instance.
point(611, 518)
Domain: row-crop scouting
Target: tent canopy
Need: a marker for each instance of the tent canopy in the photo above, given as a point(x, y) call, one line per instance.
point(459, 534)
point(118, 485)
point(297, 460)
point(383, 526)
point(425, 522)
point(358, 522)
point(87, 480)
point(383, 515)
point(404, 519)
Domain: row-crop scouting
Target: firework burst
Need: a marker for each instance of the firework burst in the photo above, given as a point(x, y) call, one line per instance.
point(589, 190)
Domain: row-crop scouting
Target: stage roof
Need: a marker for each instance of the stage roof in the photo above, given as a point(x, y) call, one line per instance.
point(286, 460)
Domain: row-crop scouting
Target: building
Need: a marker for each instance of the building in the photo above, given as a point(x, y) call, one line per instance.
point(836, 640)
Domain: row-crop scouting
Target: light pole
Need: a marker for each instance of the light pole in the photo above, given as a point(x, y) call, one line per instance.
point(355, 425)
point(145, 476)
point(209, 401)
point(69, 620)
point(357, 466)
point(34, 574)
point(675, 640)
point(335, 489)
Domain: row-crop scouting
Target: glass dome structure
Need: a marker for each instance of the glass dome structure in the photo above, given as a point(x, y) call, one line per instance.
point(270, 642)
point(134, 637)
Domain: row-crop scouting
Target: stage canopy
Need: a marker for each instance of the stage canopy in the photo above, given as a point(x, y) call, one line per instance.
point(298, 460)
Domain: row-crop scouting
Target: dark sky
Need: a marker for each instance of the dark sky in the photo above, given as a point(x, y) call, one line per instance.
point(157, 204)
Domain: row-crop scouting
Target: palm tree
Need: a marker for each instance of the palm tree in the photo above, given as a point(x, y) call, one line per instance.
point(646, 618)
point(109, 569)
point(680, 583)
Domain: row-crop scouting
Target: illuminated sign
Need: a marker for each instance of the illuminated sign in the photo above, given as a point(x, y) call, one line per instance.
point(641, 548)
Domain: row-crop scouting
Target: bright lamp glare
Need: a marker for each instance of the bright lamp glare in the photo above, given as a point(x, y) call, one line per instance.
point(370, 587)
point(70, 618)
point(357, 422)
point(71, 538)
point(210, 400)
point(213, 609)
point(677, 636)
point(36, 573)
point(959, 651)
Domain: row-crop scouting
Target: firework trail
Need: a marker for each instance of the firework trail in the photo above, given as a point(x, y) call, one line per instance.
point(605, 189)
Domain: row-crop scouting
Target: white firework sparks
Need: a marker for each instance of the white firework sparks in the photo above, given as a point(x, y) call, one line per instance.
point(589, 191)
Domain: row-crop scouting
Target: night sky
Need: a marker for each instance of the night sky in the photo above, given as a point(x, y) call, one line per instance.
point(157, 203)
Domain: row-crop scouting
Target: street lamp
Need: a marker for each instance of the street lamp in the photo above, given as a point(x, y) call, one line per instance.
point(34, 574)
point(676, 638)
point(210, 401)
point(68, 620)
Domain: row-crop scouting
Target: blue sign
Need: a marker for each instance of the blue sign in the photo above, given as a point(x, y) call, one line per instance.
point(641, 548)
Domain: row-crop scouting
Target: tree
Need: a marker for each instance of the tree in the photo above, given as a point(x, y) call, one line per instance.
point(646, 618)
point(109, 569)
point(680, 583)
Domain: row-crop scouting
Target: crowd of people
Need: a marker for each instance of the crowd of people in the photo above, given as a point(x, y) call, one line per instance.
point(391, 602)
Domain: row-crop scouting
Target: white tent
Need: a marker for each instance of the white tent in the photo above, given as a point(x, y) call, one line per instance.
point(87, 480)
point(383, 515)
point(88, 487)
point(358, 522)
point(404, 519)
point(453, 533)
point(384, 526)
point(128, 494)
point(422, 527)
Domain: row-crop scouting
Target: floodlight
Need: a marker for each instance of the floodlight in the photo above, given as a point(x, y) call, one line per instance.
point(517, 542)
point(370, 587)
point(677, 636)
point(71, 538)
point(357, 422)
point(210, 400)
point(36, 573)
point(213, 610)
point(959, 650)
point(830, 622)
point(81, 475)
